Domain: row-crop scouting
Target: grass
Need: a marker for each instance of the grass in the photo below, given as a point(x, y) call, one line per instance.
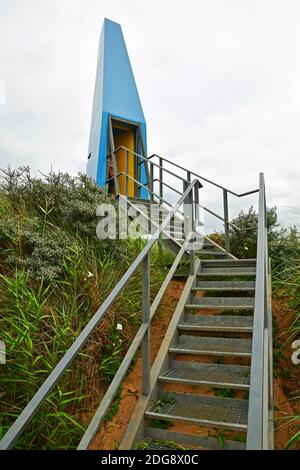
point(224, 392)
point(160, 423)
point(55, 273)
point(159, 444)
point(113, 409)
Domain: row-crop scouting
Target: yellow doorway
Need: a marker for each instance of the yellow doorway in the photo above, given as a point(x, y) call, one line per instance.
point(124, 136)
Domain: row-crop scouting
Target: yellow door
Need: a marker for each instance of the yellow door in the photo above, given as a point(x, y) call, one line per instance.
point(124, 136)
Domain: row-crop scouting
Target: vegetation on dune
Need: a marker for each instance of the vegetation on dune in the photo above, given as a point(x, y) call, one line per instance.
point(54, 274)
point(284, 251)
point(283, 243)
point(286, 285)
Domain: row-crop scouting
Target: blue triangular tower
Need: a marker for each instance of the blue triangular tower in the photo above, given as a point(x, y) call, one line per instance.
point(117, 117)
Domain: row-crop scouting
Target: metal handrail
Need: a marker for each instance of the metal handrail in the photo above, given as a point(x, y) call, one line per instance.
point(122, 173)
point(260, 413)
point(141, 185)
point(136, 343)
point(162, 169)
point(40, 396)
point(203, 178)
point(121, 147)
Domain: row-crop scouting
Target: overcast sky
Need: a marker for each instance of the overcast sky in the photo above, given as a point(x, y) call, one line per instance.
point(219, 82)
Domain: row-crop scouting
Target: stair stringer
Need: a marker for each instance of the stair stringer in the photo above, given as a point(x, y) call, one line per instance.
point(136, 427)
point(171, 242)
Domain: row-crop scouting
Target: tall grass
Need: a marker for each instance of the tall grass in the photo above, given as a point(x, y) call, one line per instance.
point(54, 275)
point(286, 285)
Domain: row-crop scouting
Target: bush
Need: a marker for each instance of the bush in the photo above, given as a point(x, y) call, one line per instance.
point(283, 244)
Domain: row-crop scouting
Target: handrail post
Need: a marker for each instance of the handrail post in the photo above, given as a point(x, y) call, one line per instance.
point(189, 222)
point(126, 173)
point(151, 181)
point(196, 199)
point(185, 212)
point(146, 319)
point(138, 167)
point(161, 190)
point(226, 220)
point(191, 228)
point(115, 168)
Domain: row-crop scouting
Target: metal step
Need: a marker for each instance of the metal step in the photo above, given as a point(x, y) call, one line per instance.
point(232, 270)
point(211, 253)
point(230, 263)
point(240, 303)
point(226, 323)
point(227, 413)
point(212, 346)
point(161, 444)
point(224, 286)
point(236, 273)
point(208, 243)
point(216, 375)
point(139, 200)
point(195, 442)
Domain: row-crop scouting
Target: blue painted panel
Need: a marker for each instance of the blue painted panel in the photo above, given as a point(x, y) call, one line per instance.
point(120, 92)
point(101, 171)
point(116, 94)
point(96, 121)
point(144, 193)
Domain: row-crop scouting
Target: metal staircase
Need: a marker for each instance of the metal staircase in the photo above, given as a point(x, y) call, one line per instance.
point(208, 356)
point(210, 385)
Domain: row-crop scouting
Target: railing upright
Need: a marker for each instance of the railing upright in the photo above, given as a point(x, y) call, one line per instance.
point(161, 186)
point(226, 220)
point(126, 172)
point(191, 229)
point(151, 181)
point(196, 198)
point(146, 366)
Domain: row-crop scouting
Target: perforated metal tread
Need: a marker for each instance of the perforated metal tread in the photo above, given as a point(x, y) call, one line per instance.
point(217, 323)
point(212, 346)
point(222, 302)
point(224, 286)
point(230, 262)
point(218, 375)
point(192, 440)
point(225, 274)
point(211, 253)
point(229, 270)
point(225, 413)
point(157, 444)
